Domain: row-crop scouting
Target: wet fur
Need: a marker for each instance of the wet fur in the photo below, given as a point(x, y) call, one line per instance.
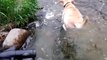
point(72, 17)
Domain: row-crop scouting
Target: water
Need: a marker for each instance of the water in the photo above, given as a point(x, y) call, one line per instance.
point(88, 43)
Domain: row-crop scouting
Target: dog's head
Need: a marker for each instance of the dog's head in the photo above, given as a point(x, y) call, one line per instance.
point(63, 2)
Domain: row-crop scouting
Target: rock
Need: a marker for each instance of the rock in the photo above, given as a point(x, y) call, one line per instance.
point(2, 37)
point(16, 37)
point(27, 59)
point(40, 59)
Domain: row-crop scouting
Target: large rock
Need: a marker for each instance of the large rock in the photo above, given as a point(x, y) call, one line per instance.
point(16, 37)
point(2, 37)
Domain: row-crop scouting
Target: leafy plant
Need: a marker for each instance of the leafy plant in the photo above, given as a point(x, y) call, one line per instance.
point(17, 11)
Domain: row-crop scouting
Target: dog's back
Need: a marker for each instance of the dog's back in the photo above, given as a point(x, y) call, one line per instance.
point(71, 16)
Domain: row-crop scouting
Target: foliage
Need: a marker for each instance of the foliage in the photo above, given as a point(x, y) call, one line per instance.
point(17, 11)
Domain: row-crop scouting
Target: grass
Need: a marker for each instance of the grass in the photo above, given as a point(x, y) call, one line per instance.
point(17, 11)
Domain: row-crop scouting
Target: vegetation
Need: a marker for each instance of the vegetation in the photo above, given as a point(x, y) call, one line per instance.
point(17, 11)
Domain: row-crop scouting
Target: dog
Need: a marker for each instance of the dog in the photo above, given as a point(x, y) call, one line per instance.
point(71, 16)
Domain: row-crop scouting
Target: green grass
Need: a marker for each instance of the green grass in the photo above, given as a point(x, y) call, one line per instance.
point(17, 11)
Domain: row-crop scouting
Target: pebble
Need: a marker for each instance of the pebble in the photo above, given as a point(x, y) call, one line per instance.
point(105, 39)
point(40, 59)
point(28, 59)
point(43, 49)
point(105, 58)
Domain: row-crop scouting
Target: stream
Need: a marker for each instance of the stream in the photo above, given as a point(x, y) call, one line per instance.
point(53, 43)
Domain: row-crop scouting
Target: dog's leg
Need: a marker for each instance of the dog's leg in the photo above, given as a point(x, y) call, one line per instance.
point(64, 27)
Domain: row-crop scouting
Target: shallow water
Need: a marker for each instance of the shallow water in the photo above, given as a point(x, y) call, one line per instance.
point(88, 43)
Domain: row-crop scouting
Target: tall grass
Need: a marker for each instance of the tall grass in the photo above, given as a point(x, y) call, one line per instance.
point(17, 11)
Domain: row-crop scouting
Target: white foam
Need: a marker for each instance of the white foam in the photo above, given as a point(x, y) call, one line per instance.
point(49, 15)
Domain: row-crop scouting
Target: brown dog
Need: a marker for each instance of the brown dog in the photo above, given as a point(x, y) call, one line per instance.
point(72, 18)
